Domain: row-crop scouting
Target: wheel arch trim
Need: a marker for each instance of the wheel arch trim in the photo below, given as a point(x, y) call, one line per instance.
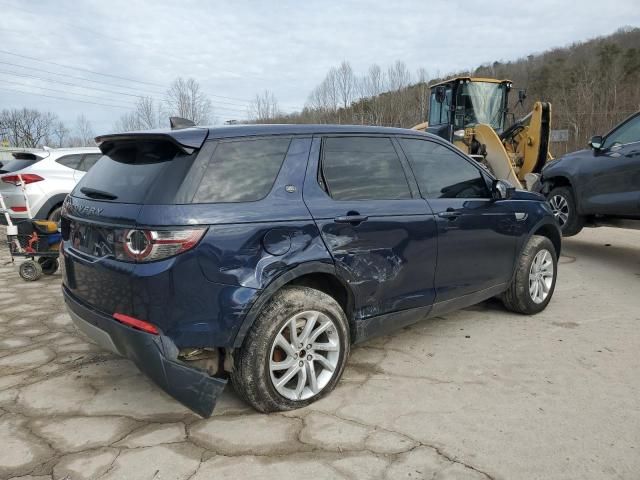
point(48, 206)
point(280, 281)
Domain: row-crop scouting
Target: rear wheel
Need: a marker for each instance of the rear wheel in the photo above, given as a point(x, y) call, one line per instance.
point(30, 270)
point(54, 216)
point(535, 280)
point(295, 352)
point(564, 209)
point(49, 265)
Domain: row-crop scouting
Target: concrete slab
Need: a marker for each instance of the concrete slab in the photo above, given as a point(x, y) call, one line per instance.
point(480, 393)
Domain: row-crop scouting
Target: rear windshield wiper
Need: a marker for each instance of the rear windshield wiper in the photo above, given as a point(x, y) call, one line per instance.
point(93, 193)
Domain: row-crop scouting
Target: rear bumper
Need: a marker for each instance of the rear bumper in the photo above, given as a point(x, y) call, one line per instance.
point(154, 355)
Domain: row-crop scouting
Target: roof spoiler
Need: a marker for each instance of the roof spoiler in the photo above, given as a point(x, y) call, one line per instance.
point(30, 155)
point(179, 122)
point(187, 139)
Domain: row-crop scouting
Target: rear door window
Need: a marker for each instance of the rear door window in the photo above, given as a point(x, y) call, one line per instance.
point(362, 168)
point(136, 172)
point(71, 161)
point(242, 170)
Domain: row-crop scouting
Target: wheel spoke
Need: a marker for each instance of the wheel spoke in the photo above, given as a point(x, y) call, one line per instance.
point(302, 382)
point(325, 363)
point(284, 345)
point(293, 371)
point(293, 331)
point(534, 292)
point(325, 347)
point(284, 365)
point(308, 327)
point(312, 379)
point(318, 331)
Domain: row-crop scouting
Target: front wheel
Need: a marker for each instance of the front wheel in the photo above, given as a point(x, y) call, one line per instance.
point(535, 280)
point(564, 208)
point(30, 270)
point(295, 352)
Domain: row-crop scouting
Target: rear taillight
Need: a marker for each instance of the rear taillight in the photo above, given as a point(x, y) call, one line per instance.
point(150, 245)
point(18, 209)
point(27, 178)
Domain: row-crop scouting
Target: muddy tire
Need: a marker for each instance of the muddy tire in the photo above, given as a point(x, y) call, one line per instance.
point(49, 265)
point(30, 270)
point(564, 209)
point(295, 352)
point(535, 280)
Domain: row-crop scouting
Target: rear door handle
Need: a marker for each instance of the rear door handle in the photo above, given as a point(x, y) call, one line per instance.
point(450, 214)
point(351, 219)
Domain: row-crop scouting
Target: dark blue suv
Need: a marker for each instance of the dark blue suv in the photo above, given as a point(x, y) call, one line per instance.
point(263, 252)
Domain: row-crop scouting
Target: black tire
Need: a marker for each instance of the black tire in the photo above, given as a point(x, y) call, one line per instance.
point(251, 375)
point(518, 297)
point(54, 215)
point(563, 203)
point(49, 265)
point(30, 270)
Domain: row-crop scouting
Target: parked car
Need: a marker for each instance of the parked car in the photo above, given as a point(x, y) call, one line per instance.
point(48, 175)
point(599, 185)
point(268, 250)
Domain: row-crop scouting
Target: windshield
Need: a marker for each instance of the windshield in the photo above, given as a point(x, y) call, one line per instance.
point(482, 102)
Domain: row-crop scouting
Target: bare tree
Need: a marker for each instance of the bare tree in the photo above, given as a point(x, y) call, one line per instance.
point(27, 127)
point(84, 132)
point(398, 76)
point(186, 99)
point(59, 133)
point(264, 107)
point(345, 84)
point(145, 116)
point(127, 123)
point(147, 113)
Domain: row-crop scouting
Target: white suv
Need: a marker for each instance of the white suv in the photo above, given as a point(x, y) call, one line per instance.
point(48, 175)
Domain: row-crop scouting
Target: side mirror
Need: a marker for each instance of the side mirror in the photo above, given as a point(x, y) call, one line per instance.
point(596, 142)
point(441, 94)
point(522, 95)
point(502, 190)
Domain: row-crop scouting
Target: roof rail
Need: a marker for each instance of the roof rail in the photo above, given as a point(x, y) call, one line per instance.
point(179, 122)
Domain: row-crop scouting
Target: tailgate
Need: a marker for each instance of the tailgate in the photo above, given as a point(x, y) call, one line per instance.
point(91, 272)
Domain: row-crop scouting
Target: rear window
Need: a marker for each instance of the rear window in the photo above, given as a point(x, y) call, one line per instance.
point(15, 165)
point(136, 172)
point(242, 170)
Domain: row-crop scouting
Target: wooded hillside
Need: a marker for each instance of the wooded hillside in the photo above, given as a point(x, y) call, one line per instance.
point(592, 85)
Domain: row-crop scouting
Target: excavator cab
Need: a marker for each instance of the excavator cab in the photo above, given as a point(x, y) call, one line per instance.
point(472, 113)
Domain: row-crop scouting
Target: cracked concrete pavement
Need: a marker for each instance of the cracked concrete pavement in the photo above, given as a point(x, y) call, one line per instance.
point(476, 394)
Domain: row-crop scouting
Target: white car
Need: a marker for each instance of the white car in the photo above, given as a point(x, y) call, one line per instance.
point(48, 175)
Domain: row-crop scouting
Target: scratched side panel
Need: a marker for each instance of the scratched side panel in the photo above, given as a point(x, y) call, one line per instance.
point(389, 260)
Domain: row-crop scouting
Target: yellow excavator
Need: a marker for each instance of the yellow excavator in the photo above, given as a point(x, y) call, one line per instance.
point(473, 114)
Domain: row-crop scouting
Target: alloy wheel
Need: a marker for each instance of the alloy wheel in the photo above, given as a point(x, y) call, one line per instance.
point(304, 355)
point(560, 208)
point(541, 276)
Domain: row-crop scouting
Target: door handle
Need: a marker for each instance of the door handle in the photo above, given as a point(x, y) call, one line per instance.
point(351, 219)
point(450, 214)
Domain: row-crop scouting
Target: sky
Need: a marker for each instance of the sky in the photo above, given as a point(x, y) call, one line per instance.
point(99, 56)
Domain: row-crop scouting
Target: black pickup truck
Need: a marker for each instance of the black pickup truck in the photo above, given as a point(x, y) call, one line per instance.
point(599, 185)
